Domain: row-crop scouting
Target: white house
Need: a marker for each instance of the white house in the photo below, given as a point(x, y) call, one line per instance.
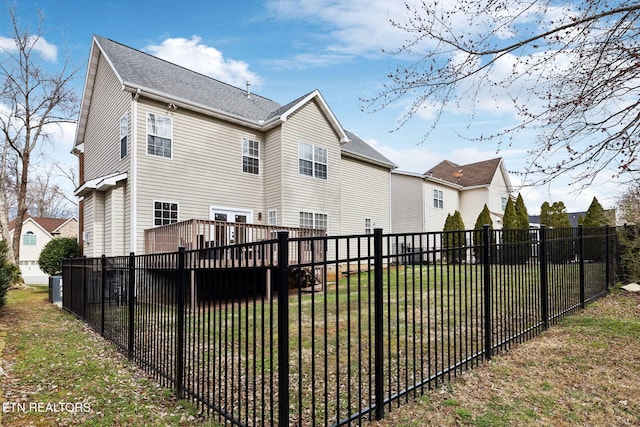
point(159, 144)
point(36, 233)
point(421, 202)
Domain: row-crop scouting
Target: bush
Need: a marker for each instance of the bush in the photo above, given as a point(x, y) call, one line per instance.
point(9, 272)
point(55, 251)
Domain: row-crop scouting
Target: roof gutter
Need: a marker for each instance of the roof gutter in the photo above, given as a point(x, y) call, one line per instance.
point(368, 159)
point(442, 182)
point(180, 102)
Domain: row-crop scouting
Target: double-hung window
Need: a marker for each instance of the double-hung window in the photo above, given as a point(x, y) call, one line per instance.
point(124, 135)
point(250, 156)
point(438, 199)
point(318, 221)
point(312, 160)
point(159, 135)
point(272, 217)
point(368, 226)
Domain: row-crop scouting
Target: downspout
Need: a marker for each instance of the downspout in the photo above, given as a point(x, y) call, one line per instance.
point(390, 213)
point(134, 173)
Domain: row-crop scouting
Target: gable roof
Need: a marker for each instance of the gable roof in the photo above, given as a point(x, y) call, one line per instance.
point(50, 225)
point(470, 175)
point(142, 73)
point(356, 147)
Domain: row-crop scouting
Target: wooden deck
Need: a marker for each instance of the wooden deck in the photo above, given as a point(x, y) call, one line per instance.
point(232, 244)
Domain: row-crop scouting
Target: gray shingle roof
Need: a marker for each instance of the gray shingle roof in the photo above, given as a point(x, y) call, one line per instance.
point(140, 69)
point(137, 69)
point(360, 148)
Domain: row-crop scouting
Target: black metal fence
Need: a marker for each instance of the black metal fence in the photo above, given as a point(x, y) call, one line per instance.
point(375, 321)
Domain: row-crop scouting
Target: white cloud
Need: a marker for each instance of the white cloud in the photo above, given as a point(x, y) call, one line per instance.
point(193, 54)
point(46, 50)
point(349, 28)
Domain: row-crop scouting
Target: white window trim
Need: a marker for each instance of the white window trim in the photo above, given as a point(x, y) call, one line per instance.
point(124, 117)
point(275, 215)
point(153, 214)
point(314, 214)
point(32, 236)
point(147, 137)
point(313, 161)
point(368, 225)
point(438, 195)
point(251, 157)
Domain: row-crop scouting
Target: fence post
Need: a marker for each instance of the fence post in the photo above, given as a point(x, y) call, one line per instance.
point(282, 287)
point(607, 258)
point(544, 284)
point(180, 328)
point(131, 292)
point(581, 260)
point(378, 323)
point(103, 279)
point(84, 287)
point(486, 262)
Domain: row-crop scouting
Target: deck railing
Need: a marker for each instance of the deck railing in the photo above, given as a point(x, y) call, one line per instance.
point(199, 234)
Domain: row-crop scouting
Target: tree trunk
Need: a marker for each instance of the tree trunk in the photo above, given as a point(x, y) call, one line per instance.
point(4, 210)
point(22, 206)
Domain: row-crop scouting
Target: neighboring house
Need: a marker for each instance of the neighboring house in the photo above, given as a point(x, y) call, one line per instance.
point(574, 218)
point(36, 233)
point(421, 202)
point(159, 144)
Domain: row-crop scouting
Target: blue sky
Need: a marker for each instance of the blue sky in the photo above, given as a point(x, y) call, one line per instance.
point(288, 48)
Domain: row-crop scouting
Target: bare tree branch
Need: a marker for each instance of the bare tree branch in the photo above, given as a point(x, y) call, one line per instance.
point(573, 76)
point(31, 101)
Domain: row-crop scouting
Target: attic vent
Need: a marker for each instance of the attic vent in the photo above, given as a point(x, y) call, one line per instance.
point(248, 89)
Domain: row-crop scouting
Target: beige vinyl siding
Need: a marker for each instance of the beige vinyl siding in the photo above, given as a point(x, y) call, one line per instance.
point(205, 168)
point(94, 224)
point(407, 203)
point(114, 221)
point(88, 203)
point(436, 217)
point(102, 136)
point(272, 174)
point(471, 203)
point(365, 192)
point(305, 193)
point(108, 223)
point(497, 190)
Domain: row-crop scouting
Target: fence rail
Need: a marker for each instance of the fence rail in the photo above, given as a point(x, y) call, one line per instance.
point(303, 338)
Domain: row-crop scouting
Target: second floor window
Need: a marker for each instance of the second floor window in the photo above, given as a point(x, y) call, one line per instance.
point(250, 156)
point(159, 134)
point(29, 239)
point(438, 199)
point(124, 133)
point(165, 213)
point(312, 160)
